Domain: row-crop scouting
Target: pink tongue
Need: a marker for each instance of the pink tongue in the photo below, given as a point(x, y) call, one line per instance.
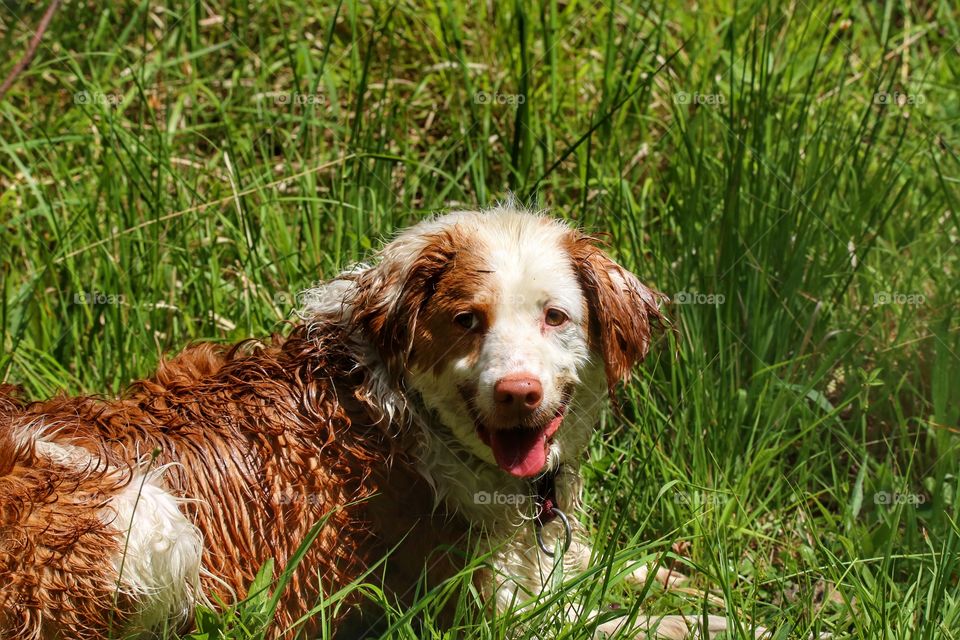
point(521, 452)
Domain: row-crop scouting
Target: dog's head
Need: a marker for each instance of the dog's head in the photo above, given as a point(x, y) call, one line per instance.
point(511, 327)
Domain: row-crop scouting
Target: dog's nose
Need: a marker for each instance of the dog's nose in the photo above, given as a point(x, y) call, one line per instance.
point(517, 395)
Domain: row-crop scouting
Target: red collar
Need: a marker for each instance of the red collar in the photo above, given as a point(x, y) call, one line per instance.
point(546, 488)
point(547, 511)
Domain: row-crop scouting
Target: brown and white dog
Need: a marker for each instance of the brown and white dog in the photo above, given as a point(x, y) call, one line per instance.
point(469, 361)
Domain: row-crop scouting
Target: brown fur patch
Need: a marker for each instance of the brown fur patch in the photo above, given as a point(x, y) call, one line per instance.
point(621, 308)
point(466, 285)
point(389, 300)
point(407, 310)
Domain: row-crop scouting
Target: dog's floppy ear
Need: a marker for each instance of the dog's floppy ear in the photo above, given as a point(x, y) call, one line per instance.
point(390, 296)
point(621, 308)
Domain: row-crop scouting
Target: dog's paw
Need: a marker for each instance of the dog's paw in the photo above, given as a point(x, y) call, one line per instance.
point(669, 578)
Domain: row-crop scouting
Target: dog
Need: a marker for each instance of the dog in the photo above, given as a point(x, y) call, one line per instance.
point(471, 358)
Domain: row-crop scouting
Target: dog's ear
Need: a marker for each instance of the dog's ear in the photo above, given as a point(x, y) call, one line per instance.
point(389, 297)
point(622, 310)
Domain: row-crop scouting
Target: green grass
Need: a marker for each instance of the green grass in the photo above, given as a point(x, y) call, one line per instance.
point(194, 170)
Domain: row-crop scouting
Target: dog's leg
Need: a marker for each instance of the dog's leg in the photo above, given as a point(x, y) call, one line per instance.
point(669, 628)
point(665, 627)
point(638, 577)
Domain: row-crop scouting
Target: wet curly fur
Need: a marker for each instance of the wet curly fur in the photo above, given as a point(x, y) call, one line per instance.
point(268, 435)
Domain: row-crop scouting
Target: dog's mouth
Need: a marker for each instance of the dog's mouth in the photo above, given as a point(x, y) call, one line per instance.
point(521, 450)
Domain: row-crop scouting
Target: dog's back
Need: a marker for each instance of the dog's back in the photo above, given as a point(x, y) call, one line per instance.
point(96, 538)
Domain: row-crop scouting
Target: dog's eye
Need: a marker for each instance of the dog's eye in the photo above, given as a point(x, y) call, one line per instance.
point(468, 320)
point(555, 317)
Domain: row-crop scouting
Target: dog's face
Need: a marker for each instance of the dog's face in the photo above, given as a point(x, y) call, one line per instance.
point(511, 327)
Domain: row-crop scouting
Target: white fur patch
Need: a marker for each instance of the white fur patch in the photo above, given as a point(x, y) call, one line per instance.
point(160, 564)
point(66, 455)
